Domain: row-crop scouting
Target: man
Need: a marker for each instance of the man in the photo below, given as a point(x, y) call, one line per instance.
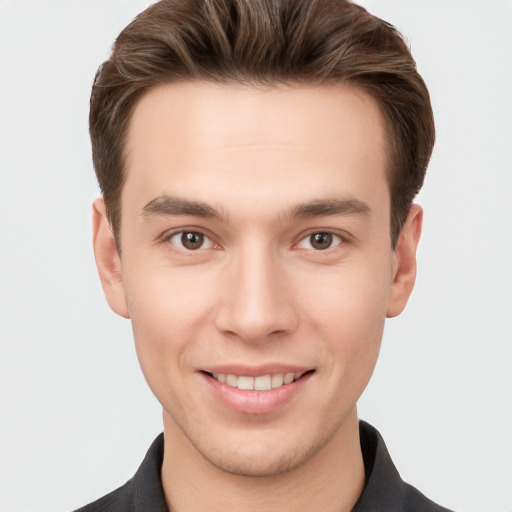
point(258, 162)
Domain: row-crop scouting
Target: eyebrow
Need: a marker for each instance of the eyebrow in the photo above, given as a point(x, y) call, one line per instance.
point(169, 205)
point(318, 208)
point(166, 205)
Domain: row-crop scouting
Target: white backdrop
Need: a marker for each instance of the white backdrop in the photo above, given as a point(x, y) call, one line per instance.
point(76, 414)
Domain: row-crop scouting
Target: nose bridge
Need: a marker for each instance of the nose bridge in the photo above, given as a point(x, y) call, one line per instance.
point(255, 300)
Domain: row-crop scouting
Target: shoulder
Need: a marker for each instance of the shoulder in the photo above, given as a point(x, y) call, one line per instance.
point(142, 493)
point(414, 500)
point(115, 501)
point(385, 491)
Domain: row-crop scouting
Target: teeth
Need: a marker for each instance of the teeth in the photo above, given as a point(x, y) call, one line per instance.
point(260, 383)
point(245, 383)
point(232, 380)
point(263, 383)
point(289, 378)
point(277, 380)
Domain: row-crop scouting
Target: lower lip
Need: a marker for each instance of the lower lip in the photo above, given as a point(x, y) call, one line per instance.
point(256, 402)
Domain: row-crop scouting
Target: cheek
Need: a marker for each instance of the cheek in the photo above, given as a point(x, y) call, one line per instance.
point(167, 309)
point(354, 329)
point(349, 315)
point(350, 297)
point(353, 336)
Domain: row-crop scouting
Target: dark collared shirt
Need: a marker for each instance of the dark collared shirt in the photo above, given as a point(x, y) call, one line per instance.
point(384, 490)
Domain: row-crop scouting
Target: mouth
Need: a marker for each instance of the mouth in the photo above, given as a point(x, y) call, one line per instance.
point(258, 383)
point(256, 391)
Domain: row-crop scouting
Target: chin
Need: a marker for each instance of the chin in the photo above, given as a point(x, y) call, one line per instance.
point(260, 465)
point(269, 458)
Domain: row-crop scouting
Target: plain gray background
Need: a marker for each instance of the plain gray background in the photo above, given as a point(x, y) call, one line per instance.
point(76, 414)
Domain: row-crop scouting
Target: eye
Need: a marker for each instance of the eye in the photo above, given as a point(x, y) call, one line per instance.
point(191, 241)
point(320, 241)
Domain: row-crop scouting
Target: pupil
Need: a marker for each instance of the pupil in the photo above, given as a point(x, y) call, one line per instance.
point(192, 240)
point(321, 240)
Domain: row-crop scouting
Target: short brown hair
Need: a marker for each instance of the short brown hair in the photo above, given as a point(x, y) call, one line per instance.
point(264, 42)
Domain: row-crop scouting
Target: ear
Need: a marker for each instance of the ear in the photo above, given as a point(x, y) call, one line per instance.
point(404, 262)
point(108, 260)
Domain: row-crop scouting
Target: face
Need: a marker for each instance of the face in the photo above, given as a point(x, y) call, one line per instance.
point(256, 264)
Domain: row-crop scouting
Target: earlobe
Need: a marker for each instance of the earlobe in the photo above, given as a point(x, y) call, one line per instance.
point(108, 260)
point(404, 265)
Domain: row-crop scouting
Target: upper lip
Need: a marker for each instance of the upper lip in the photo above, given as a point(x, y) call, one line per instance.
point(255, 371)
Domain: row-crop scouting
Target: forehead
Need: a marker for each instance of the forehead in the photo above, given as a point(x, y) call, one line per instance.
point(204, 113)
point(195, 138)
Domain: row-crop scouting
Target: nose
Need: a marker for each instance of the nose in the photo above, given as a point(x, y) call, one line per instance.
point(256, 303)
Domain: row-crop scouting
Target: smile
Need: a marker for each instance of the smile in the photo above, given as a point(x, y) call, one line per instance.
point(259, 383)
point(254, 390)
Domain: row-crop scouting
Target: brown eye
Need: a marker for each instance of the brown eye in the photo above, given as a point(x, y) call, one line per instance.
point(320, 241)
point(190, 241)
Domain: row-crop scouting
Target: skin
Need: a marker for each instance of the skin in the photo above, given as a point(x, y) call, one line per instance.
point(257, 291)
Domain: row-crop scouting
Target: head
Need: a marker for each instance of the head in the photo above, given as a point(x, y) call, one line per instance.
point(264, 42)
point(258, 161)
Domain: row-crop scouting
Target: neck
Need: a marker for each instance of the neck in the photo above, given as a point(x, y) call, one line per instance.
point(331, 480)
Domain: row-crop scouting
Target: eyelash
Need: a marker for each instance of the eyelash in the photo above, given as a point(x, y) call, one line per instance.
point(334, 239)
point(204, 238)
